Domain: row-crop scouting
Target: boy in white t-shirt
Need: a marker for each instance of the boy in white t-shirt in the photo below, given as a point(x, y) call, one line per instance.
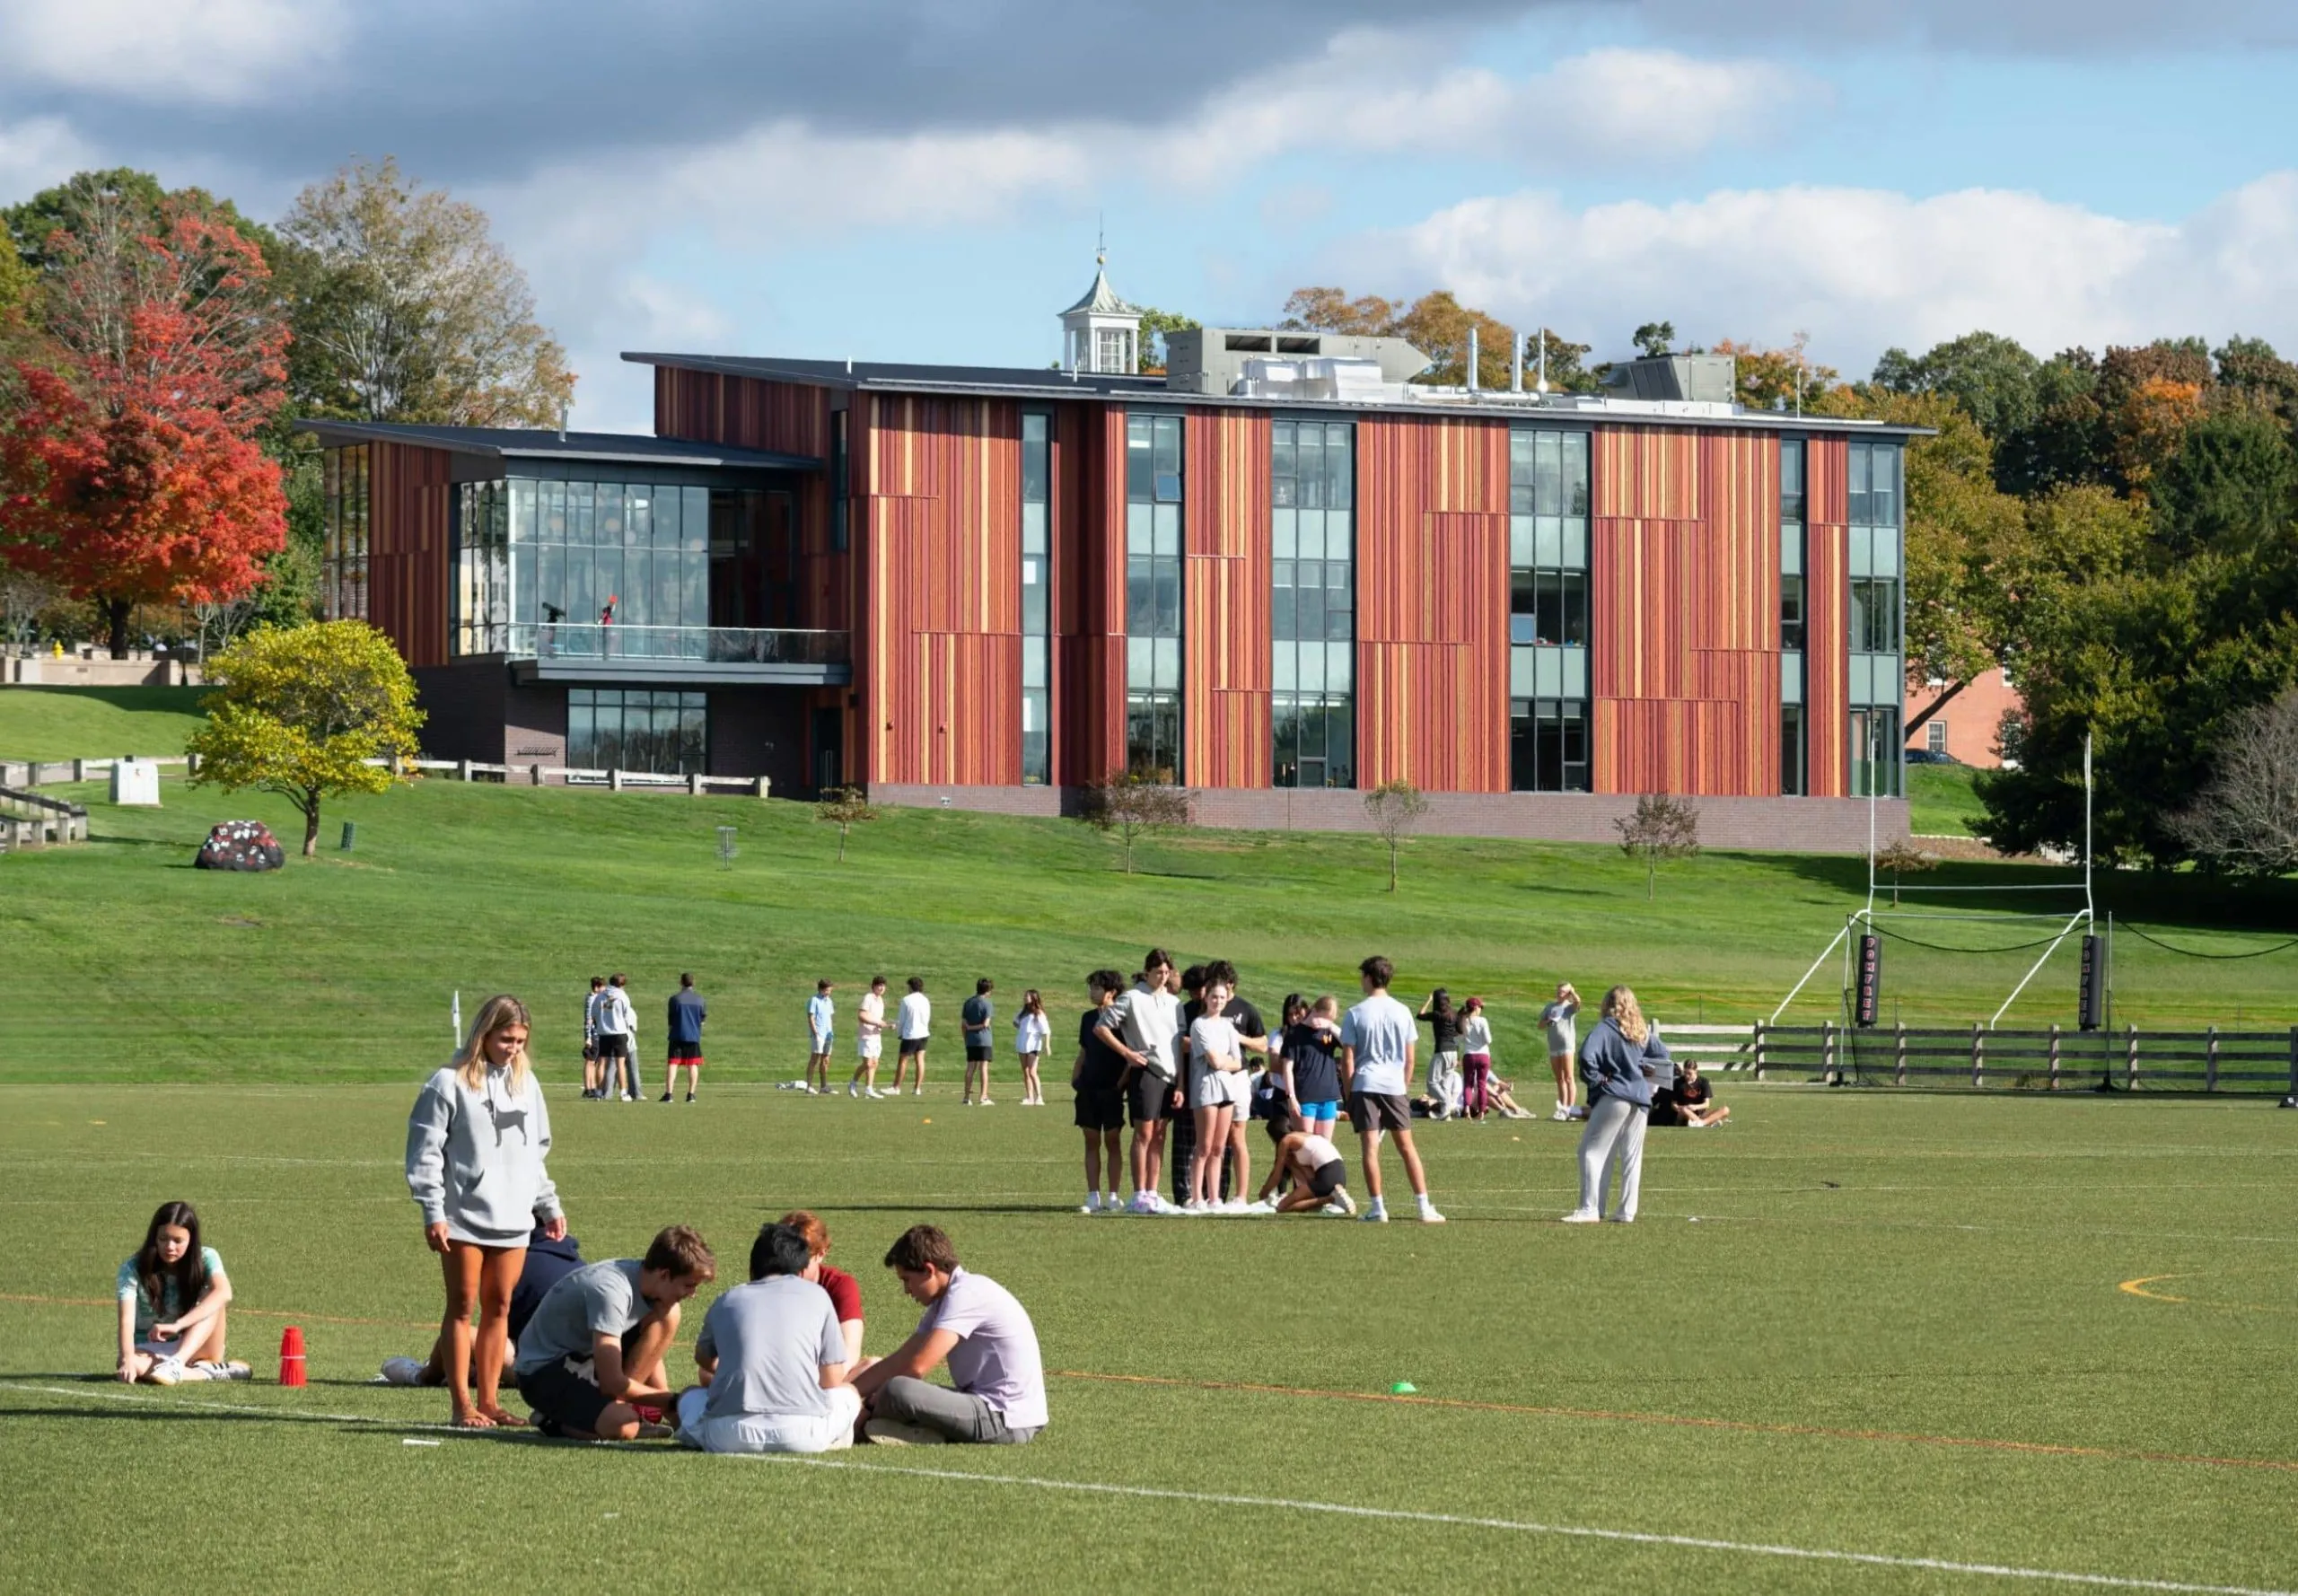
point(913, 1026)
point(869, 1021)
point(822, 1018)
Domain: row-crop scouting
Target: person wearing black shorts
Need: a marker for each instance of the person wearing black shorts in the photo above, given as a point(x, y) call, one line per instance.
point(974, 1019)
point(1095, 1078)
point(1320, 1177)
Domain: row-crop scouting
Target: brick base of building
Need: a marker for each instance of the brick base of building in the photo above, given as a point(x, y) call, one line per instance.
point(1791, 824)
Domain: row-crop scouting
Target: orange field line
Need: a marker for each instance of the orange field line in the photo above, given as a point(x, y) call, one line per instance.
point(1752, 1426)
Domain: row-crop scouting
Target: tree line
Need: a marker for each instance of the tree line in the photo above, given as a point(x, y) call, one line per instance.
point(157, 347)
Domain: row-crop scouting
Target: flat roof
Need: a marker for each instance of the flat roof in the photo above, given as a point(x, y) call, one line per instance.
point(1031, 383)
point(512, 442)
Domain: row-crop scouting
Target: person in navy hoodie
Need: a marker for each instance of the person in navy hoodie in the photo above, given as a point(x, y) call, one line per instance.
point(688, 1012)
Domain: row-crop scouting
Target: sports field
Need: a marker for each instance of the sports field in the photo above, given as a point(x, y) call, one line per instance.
point(1896, 1353)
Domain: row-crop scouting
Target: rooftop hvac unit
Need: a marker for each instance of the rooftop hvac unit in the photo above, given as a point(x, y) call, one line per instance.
point(1320, 377)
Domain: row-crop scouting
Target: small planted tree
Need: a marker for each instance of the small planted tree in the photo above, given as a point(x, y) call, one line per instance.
point(1396, 808)
point(1662, 829)
point(1132, 805)
point(1903, 858)
point(843, 808)
point(299, 710)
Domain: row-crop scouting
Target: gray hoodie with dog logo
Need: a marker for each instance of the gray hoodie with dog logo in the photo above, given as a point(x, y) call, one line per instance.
point(475, 1159)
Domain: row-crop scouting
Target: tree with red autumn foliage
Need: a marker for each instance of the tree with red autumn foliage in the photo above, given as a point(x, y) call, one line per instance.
point(130, 472)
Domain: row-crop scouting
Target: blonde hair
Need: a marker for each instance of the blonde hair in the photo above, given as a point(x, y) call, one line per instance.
point(1621, 1010)
point(471, 1059)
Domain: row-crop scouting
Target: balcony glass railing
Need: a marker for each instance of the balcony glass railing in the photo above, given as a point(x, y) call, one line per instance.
point(717, 646)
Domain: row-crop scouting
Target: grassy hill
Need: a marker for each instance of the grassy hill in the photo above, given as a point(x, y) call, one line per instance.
point(63, 722)
point(1939, 800)
point(137, 967)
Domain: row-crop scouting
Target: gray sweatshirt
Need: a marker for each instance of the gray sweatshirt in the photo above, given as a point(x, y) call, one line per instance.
point(475, 1159)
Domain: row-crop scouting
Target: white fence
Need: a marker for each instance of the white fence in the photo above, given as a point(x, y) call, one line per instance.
point(33, 773)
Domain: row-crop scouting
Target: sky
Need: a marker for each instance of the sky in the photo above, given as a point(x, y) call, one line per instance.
point(926, 179)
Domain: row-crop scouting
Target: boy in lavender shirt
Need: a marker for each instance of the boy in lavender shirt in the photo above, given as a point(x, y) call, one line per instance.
point(987, 1337)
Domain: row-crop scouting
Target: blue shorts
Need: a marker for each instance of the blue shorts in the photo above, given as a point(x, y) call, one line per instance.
point(1327, 1110)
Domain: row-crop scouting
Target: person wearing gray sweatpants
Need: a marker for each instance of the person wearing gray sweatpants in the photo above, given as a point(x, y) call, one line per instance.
point(1612, 1061)
point(996, 1391)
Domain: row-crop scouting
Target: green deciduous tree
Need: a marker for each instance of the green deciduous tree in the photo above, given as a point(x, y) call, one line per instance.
point(1993, 378)
point(298, 710)
point(405, 308)
point(2232, 483)
point(1437, 325)
point(1150, 345)
point(1662, 829)
point(1654, 339)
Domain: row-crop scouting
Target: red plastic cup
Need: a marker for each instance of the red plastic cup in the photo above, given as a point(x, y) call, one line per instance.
point(291, 1355)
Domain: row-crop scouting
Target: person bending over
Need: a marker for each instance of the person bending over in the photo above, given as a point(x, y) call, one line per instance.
point(1320, 1177)
point(572, 1367)
point(172, 1294)
point(996, 1390)
point(774, 1361)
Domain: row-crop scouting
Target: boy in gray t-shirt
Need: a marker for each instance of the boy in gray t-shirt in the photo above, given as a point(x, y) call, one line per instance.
point(593, 1353)
point(775, 1360)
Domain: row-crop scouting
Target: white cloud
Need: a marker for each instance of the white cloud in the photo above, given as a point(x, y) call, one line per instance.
point(202, 52)
point(36, 154)
point(1859, 269)
point(1375, 93)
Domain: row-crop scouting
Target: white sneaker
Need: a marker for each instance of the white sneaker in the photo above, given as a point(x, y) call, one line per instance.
point(1259, 1209)
point(988, 1102)
point(1375, 1214)
point(887, 1432)
point(1343, 1201)
point(1561, 1113)
point(1236, 1206)
point(918, 1092)
point(1143, 1202)
point(403, 1371)
point(167, 1371)
point(853, 1089)
point(1093, 1203)
point(1336, 1210)
point(1428, 1214)
point(230, 1369)
point(873, 1094)
point(1582, 1217)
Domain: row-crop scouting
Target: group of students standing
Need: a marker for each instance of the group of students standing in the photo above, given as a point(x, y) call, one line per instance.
point(778, 1361)
point(913, 1030)
point(610, 1040)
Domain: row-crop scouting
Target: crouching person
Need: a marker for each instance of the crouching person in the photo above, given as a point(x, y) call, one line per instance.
point(996, 1390)
point(774, 1359)
point(576, 1369)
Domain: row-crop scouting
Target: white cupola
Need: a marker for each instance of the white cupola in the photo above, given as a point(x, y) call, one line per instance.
point(1101, 334)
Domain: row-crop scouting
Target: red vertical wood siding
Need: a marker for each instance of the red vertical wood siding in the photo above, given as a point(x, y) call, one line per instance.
point(1684, 571)
point(1432, 603)
point(1226, 620)
point(1827, 584)
point(1089, 571)
point(942, 680)
point(407, 593)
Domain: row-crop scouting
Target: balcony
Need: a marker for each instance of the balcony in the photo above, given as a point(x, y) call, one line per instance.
point(570, 652)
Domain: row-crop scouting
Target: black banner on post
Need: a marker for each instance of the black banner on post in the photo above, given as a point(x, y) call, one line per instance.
point(2091, 1011)
point(1871, 979)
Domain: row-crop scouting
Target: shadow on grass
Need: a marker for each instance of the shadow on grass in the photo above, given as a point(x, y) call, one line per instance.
point(2165, 898)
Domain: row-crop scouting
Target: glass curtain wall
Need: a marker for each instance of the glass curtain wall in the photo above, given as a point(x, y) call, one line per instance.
point(1878, 676)
point(1036, 597)
point(344, 487)
point(1313, 579)
point(583, 569)
point(664, 732)
point(1152, 597)
point(1547, 606)
point(1792, 741)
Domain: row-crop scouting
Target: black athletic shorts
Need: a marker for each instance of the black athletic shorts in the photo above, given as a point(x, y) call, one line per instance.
point(1101, 1108)
point(976, 1054)
point(914, 1044)
point(572, 1401)
point(686, 1052)
point(616, 1045)
point(1379, 1110)
point(1150, 1097)
point(1328, 1178)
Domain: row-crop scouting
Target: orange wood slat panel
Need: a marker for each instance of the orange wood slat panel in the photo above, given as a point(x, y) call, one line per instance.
point(1432, 713)
point(407, 550)
point(1226, 618)
point(1827, 480)
point(1089, 566)
point(1646, 474)
point(1826, 661)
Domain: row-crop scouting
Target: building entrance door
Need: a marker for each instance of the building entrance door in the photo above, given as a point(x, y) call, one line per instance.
point(830, 749)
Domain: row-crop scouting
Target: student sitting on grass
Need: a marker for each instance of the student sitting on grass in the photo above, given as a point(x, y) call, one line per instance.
point(990, 1345)
point(845, 1291)
point(1688, 1103)
point(572, 1367)
point(1320, 1177)
point(774, 1361)
point(172, 1294)
point(476, 1145)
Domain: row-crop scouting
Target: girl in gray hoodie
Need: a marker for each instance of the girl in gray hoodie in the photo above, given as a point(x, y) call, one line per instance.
point(475, 1149)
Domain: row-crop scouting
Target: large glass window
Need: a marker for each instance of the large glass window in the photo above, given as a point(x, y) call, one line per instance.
point(1036, 597)
point(343, 484)
point(1793, 617)
point(1152, 596)
point(1312, 484)
point(1548, 609)
point(650, 730)
point(1877, 598)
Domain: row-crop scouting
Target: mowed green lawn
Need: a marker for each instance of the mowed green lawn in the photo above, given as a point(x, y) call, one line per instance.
point(1941, 802)
point(343, 968)
point(1898, 1332)
point(68, 722)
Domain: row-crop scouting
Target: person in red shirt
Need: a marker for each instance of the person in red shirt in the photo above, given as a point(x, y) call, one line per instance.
point(845, 1291)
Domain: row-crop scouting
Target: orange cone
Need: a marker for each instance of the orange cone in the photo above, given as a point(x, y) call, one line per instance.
point(291, 1355)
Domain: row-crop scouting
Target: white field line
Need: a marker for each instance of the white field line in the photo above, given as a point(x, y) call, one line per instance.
point(1338, 1509)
